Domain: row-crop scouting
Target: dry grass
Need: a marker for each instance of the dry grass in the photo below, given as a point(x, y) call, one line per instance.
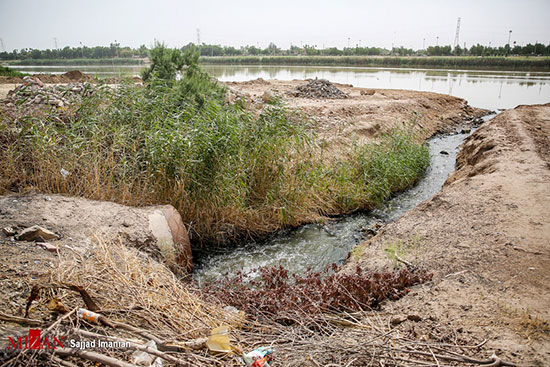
point(529, 326)
point(130, 287)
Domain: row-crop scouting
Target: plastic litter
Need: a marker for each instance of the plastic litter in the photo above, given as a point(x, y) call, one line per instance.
point(259, 357)
point(218, 341)
point(142, 358)
point(88, 315)
point(64, 172)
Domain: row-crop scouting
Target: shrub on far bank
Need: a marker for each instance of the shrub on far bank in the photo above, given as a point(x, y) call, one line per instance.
point(5, 71)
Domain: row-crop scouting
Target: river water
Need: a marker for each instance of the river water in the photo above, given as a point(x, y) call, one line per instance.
point(319, 245)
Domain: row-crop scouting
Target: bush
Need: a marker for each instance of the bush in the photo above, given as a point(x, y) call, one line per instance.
point(5, 71)
point(276, 295)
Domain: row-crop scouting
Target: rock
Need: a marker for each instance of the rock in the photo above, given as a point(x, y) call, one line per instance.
point(444, 152)
point(267, 96)
point(415, 318)
point(9, 231)
point(36, 232)
point(47, 246)
point(172, 239)
point(367, 92)
point(398, 319)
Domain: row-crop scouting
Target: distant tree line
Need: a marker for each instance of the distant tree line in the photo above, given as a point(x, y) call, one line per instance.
point(538, 49)
point(114, 50)
point(97, 52)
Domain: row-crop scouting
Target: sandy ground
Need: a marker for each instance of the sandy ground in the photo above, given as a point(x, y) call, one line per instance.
point(486, 237)
point(5, 88)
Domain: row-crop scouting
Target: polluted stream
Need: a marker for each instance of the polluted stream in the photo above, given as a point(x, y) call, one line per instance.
point(316, 246)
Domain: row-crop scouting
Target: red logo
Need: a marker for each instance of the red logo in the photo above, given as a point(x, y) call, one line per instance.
point(34, 341)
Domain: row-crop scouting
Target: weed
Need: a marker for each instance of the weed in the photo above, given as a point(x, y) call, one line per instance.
point(531, 327)
point(400, 249)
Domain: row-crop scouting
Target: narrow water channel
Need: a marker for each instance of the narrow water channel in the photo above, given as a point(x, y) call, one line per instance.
point(316, 245)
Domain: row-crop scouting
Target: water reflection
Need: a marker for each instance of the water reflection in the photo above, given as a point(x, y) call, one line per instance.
point(485, 89)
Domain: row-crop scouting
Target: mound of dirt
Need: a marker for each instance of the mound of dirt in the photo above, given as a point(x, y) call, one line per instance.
point(319, 89)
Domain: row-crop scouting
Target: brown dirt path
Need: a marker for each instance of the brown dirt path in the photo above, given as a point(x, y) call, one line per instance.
point(486, 237)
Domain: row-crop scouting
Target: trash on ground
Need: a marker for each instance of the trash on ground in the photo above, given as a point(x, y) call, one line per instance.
point(218, 341)
point(259, 357)
point(88, 315)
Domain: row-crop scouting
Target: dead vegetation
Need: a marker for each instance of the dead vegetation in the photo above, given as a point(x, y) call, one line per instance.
point(142, 304)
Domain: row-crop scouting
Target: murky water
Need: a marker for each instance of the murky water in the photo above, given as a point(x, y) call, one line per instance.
point(317, 246)
point(98, 71)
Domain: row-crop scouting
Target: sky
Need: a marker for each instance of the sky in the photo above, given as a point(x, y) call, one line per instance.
point(35, 23)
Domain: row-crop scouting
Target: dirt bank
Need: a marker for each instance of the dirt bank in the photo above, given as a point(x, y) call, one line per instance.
point(367, 113)
point(77, 222)
point(486, 237)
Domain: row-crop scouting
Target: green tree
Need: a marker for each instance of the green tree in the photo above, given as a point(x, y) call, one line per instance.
point(165, 63)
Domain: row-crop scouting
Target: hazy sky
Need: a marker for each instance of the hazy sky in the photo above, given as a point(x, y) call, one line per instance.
point(35, 23)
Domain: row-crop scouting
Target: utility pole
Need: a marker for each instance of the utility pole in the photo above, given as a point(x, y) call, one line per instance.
point(457, 42)
point(348, 41)
point(198, 37)
point(508, 44)
point(423, 43)
point(437, 41)
point(82, 49)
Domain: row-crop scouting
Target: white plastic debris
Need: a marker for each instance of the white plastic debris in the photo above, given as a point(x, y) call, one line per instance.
point(142, 358)
point(64, 172)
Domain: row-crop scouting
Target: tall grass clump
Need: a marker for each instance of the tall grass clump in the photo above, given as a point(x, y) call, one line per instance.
point(5, 71)
point(230, 170)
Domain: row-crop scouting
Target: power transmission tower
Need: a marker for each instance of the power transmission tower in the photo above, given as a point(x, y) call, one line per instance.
point(457, 32)
point(55, 42)
point(198, 37)
point(2, 43)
